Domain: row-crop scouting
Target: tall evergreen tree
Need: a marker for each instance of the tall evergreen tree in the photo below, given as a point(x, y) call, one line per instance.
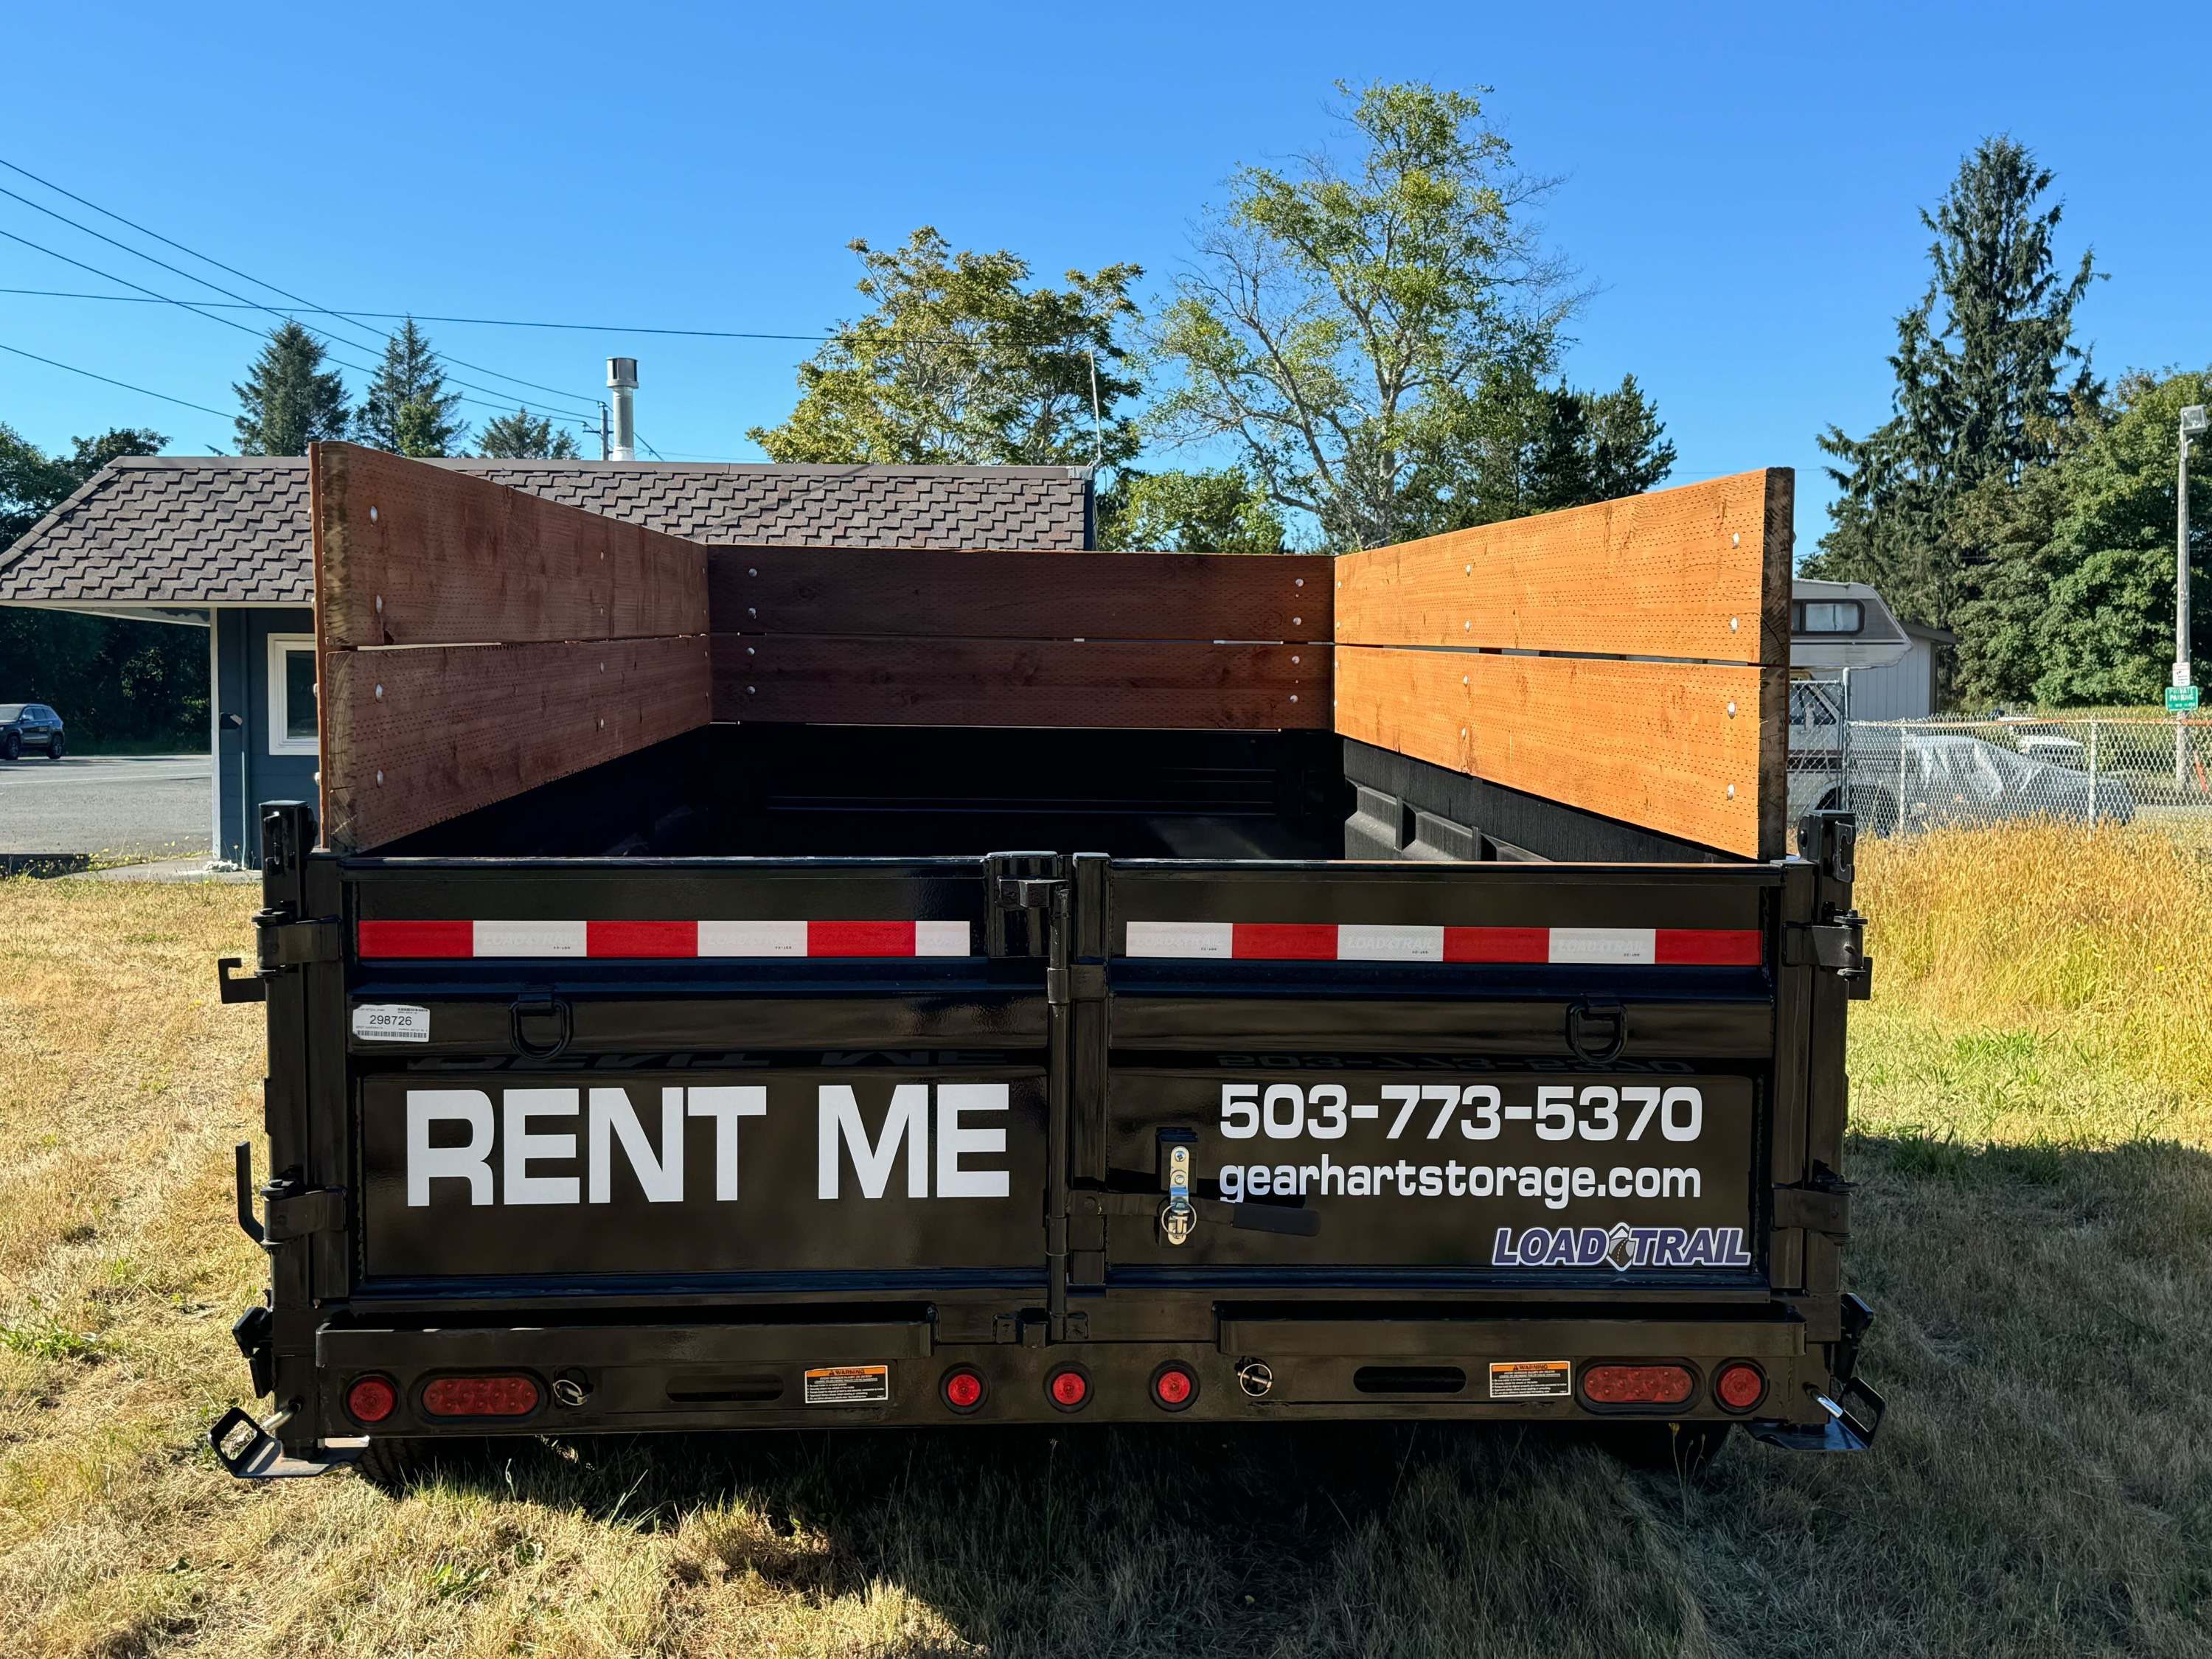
point(1988, 379)
point(408, 410)
point(1593, 446)
point(523, 436)
point(290, 400)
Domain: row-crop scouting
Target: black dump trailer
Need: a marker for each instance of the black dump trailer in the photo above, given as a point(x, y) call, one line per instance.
point(789, 1074)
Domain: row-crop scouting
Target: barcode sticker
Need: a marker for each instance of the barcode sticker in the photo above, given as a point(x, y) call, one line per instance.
point(391, 1022)
point(1530, 1379)
point(849, 1385)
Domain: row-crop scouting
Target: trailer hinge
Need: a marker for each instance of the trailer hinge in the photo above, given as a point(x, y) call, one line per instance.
point(1080, 981)
point(1817, 1212)
point(281, 943)
point(294, 1211)
point(1838, 945)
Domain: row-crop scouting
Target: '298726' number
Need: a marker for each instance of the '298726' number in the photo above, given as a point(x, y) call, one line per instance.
point(1598, 1111)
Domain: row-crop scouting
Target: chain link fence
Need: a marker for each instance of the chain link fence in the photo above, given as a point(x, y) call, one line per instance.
point(1909, 775)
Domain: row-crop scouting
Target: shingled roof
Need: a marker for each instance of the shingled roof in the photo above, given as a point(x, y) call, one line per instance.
point(181, 529)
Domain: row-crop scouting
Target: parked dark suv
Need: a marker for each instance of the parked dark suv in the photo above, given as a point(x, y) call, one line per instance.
point(29, 725)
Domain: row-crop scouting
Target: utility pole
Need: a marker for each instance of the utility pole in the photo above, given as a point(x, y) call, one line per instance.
point(2193, 423)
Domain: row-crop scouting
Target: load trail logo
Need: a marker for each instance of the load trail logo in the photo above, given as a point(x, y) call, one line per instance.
point(1620, 1249)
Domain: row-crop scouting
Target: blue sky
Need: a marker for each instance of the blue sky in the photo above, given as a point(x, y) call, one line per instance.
point(1740, 183)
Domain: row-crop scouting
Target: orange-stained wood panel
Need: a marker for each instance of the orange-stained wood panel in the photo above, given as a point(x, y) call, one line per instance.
point(1687, 749)
point(412, 738)
point(922, 592)
point(1700, 572)
point(407, 553)
point(1138, 684)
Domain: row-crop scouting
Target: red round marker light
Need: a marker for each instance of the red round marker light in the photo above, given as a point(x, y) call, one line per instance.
point(1069, 1387)
point(962, 1388)
point(1174, 1387)
point(371, 1398)
point(1740, 1386)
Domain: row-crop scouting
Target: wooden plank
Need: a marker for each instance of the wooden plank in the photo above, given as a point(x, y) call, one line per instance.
point(1650, 743)
point(1701, 573)
point(919, 593)
point(407, 553)
point(1158, 685)
point(414, 736)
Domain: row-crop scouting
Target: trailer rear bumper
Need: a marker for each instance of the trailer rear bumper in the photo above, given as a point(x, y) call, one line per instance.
point(1264, 1365)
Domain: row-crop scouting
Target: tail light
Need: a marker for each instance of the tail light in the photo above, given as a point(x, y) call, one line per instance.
point(1174, 1386)
point(481, 1396)
point(1636, 1385)
point(1741, 1385)
point(371, 1398)
point(962, 1388)
point(1069, 1387)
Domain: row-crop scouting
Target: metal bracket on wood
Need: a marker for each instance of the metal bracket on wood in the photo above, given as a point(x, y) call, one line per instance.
point(1828, 1213)
point(294, 1211)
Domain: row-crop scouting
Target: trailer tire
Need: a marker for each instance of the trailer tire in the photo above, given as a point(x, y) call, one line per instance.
point(1686, 1450)
point(394, 1463)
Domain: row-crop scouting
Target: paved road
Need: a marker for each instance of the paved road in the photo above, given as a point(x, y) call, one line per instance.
point(130, 806)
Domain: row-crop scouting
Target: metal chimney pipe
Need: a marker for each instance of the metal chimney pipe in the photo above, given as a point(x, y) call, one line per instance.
point(622, 377)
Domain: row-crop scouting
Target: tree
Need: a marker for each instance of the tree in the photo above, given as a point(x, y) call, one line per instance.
point(408, 410)
point(1373, 340)
point(115, 681)
point(290, 400)
point(1595, 447)
point(523, 436)
point(2106, 633)
point(1221, 512)
point(1982, 389)
point(958, 363)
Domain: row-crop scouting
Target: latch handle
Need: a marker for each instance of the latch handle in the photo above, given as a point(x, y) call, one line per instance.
point(246, 988)
point(246, 1221)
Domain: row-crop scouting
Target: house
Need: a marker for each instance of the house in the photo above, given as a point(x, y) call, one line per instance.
point(1844, 632)
point(224, 543)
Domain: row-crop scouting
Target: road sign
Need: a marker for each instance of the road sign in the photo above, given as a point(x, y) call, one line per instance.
point(2179, 699)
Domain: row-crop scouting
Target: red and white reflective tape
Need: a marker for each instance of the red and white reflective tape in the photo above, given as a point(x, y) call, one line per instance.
point(515, 939)
point(1323, 941)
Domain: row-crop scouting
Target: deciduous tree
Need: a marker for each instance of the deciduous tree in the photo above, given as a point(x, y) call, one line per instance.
point(1217, 511)
point(1372, 336)
point(958, 363)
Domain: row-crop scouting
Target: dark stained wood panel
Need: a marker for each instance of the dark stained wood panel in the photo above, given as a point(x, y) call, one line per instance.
point(414, 736)
point(1701, 572)
point(407, 553)
point(1137, 684)
point(918, 593)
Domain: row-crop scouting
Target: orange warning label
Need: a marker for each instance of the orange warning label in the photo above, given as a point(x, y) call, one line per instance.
point(849, 1385)
point(1530, 1379)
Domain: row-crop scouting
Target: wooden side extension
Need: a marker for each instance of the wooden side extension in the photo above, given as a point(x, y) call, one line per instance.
point(1630, 658)
point(476, 640)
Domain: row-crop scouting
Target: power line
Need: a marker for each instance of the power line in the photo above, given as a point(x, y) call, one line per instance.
point(486, 322)
point(142, 390)
point(240, 299)
point(494, 400)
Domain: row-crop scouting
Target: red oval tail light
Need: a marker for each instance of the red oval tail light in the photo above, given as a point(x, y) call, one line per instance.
point(1069, 1389)
point(1636, 1385)
point(963, 1388)
point(481, 1396)
point(1174, 1387)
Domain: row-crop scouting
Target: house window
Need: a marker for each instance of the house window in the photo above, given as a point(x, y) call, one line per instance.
point(292, 693)
point(1828, 617)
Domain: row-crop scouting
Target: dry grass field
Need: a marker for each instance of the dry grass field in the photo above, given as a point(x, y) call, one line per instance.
point(2033, 1098)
